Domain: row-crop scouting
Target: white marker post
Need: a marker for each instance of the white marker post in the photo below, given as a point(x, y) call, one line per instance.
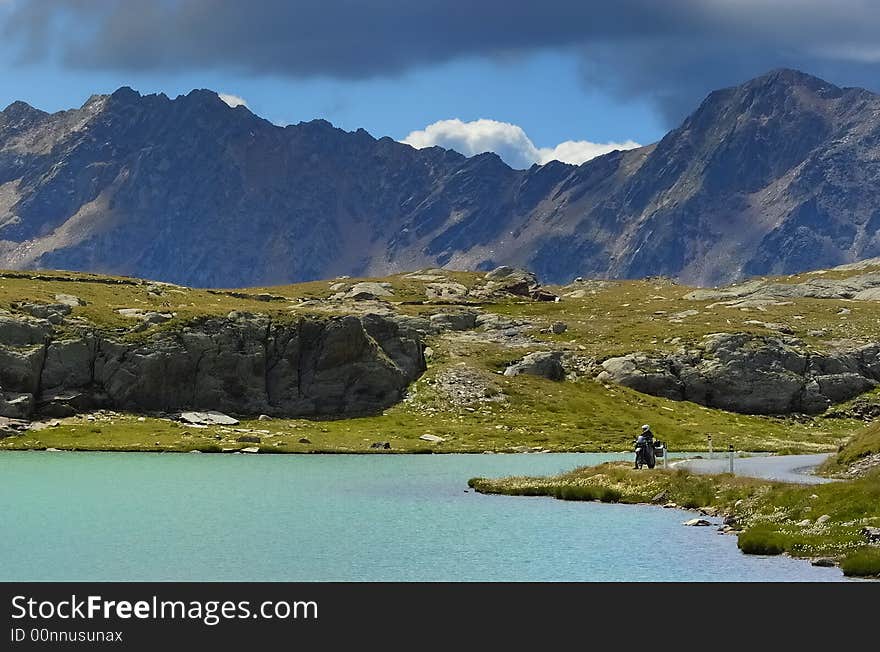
point(730, 452)
point(709, 437)
point(665, 455)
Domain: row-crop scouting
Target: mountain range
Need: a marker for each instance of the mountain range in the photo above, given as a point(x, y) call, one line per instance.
point(778, 175)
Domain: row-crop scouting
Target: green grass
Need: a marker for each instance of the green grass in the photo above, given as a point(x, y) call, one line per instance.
point(864, 562)
point(619, 482)
point(764, 541)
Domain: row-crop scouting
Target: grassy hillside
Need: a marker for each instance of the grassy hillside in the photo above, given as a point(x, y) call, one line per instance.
point(463, 397)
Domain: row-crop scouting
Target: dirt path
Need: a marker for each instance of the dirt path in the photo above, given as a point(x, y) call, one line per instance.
point(783, 468)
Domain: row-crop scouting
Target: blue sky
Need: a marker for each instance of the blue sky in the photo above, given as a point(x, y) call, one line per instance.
point(531, 80)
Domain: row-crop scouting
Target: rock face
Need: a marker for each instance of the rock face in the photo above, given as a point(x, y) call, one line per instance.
point(242, 364)
point(751, 374)
point(778, 175)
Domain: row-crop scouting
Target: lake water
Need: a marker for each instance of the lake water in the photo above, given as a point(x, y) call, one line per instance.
point(140, 516)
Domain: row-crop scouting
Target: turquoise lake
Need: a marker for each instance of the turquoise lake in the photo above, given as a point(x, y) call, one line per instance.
point(140, 516)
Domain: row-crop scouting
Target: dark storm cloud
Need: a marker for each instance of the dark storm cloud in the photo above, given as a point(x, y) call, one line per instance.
point(671, 51)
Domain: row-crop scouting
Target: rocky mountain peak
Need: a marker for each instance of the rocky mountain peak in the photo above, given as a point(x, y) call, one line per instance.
point(776, 175)
point(20, 115)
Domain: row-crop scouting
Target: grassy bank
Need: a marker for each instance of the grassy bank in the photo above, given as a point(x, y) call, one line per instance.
point(858, 455)
point(769, 518)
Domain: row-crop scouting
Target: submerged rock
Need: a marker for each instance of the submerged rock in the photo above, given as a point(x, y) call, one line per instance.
point(697, 522)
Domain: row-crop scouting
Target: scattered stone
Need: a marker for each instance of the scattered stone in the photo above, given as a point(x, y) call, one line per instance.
point(822, 520)
point(249, 439)
point(251, 449)
point(304, 440)
point(381, 444)
point(558, 327)
point(264, 417)
point(463, 387)
point(661, 497)
point(805, 523)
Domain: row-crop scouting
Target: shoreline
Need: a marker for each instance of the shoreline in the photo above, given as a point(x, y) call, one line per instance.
point(770, 517)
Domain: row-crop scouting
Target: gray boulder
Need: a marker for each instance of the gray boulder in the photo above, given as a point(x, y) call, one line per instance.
point(511, 280)
point(547, 364)
point(643, 374)
point(16, 406)
point(456, 321)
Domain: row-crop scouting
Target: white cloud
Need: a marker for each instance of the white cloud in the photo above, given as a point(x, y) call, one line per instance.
point(578, 151)
point(233, 100)
point(507, 140)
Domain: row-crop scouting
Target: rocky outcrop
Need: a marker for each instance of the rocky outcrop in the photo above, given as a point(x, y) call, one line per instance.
point(751, 374)
point(242, 364)
point(863, 287)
